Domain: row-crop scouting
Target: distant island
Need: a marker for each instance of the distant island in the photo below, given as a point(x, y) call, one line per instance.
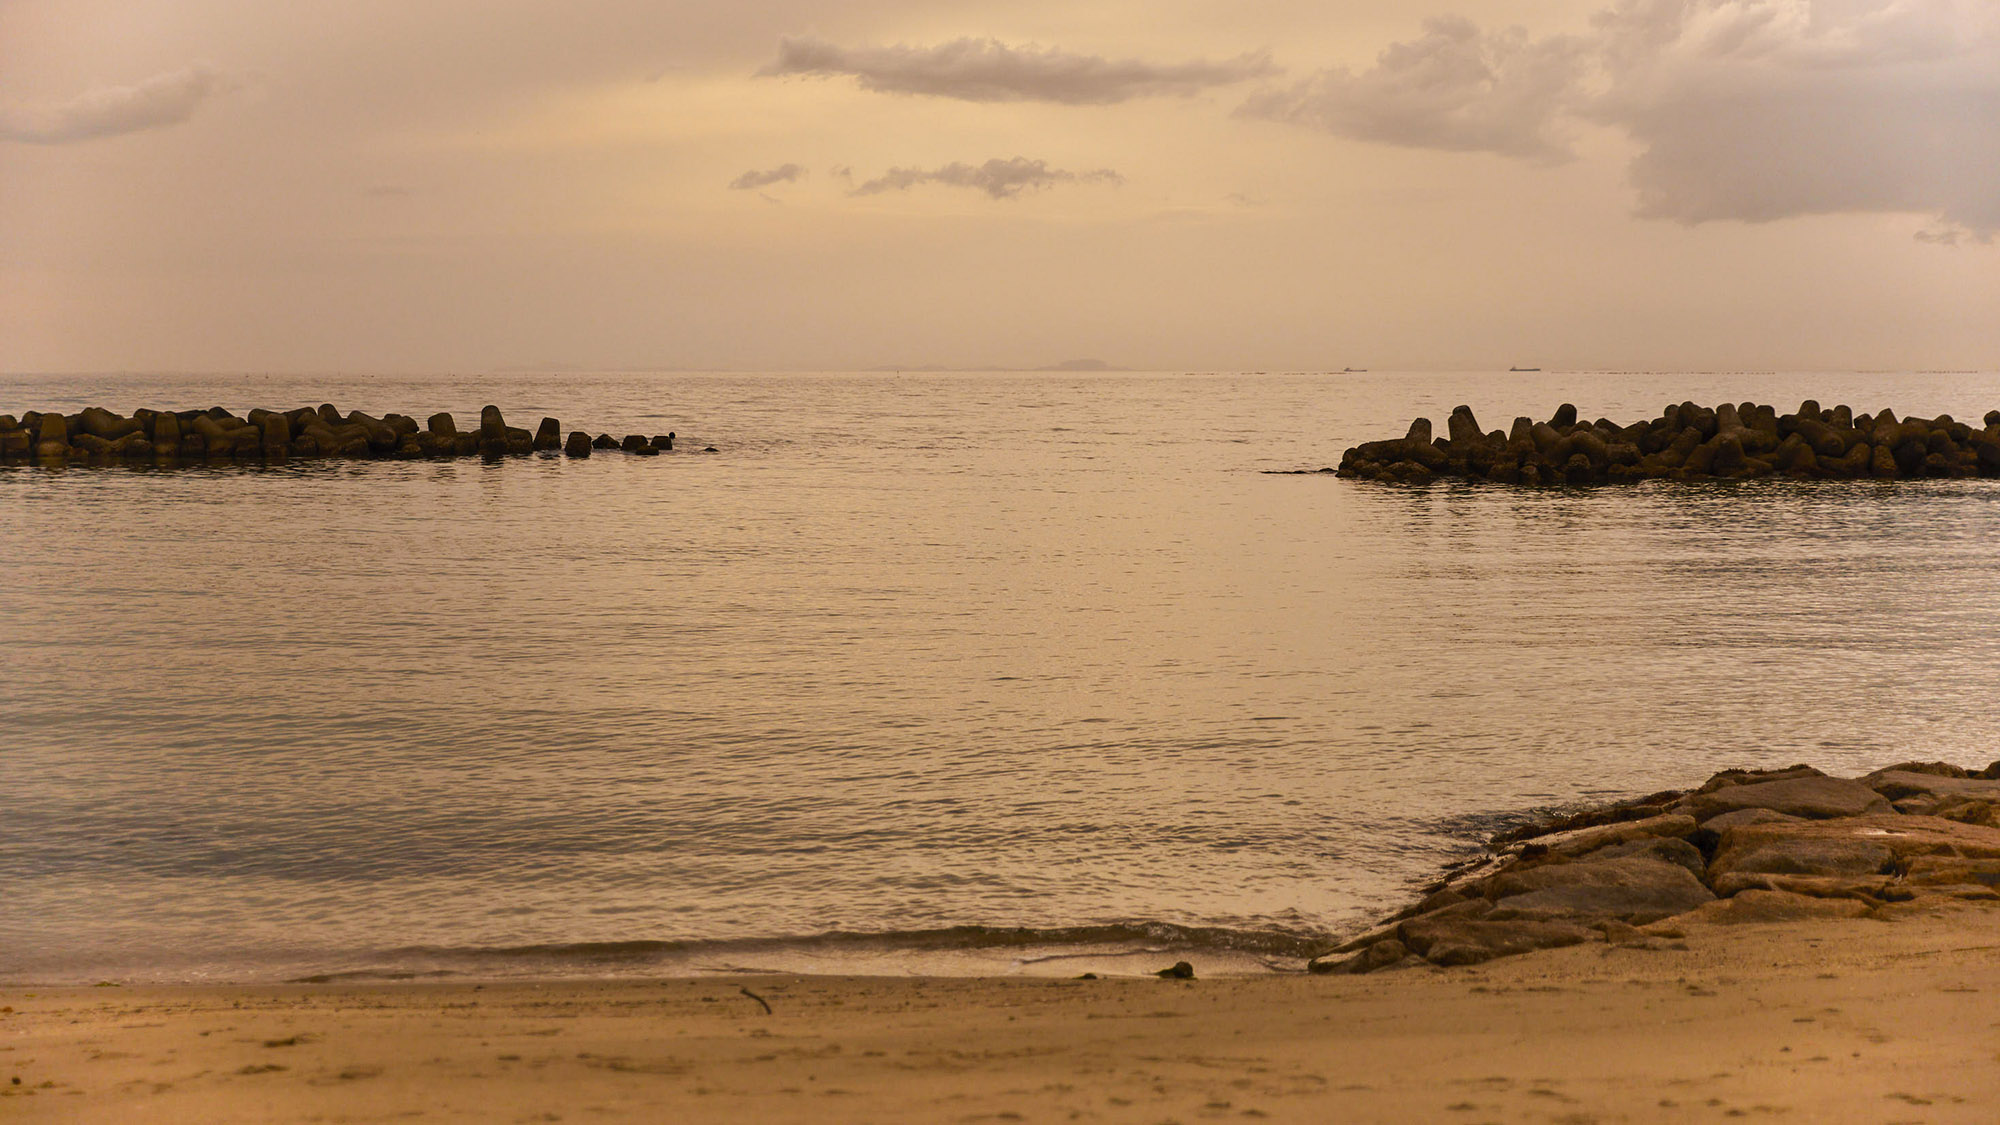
point(1065, 365)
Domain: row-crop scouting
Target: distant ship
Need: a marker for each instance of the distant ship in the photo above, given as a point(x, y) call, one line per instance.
point(1524, 369)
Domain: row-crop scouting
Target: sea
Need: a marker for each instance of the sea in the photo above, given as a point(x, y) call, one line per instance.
point(914, 673)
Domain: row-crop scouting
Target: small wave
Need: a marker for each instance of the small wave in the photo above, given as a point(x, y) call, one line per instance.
point(1271, 941)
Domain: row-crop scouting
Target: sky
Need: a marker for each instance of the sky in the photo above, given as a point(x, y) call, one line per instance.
point(447, 185)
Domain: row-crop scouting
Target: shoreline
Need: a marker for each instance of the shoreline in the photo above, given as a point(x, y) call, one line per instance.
point(1855, 998)
point(1833, 1019)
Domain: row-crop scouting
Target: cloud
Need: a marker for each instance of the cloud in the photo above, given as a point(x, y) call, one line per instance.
point(1748, 110)
point(1456, 88)
point(753, 179)
point(1944, 234)
point(110, 111)
point(1001, 179)
point(986, 70)
point(1766, 109)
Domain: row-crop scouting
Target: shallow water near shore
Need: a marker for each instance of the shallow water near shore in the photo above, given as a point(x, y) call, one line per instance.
point(1003, 673)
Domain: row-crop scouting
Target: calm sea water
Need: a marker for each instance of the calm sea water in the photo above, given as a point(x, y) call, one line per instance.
point(909, 654)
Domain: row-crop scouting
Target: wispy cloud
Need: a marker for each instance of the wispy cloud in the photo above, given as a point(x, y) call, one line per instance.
point(1749, 110)
point(1000, 179)
point(110, 111)
point(1946, 234)
point(986, 70)
point(753, 179)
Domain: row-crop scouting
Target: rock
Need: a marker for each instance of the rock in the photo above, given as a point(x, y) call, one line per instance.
point(1935, 870)
point(1872, 889)
point(1710, 833)
point(1634, 889)
point(1625, 935)
point(1754, 907)
point(1727, 778)
point(1446, 940)
point(664, 442)
point(1352, 945)
point(443, 425)
point(1420, 432)
point(1179, 970)
point(1580, 841)
point(1850, 841)
point(1380, 955)
point(633, 443)
point(548, 435)
point(1817, 797)
point(1899, 782)
point(1772, 849)
point(1660, 849)
point(578, 444)
point(1436, 900)
point(605, 441)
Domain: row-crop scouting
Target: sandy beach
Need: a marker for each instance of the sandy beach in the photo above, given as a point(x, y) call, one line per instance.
point(1827, 1020)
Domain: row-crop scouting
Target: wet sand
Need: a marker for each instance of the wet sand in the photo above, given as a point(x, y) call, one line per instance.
point(1829, 1020)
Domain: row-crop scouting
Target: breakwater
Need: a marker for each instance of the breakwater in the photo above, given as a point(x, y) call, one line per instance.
point(98, 436)
point(1731, 441)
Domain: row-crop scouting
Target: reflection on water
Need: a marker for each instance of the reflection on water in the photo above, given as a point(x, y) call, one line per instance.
point(912, 653)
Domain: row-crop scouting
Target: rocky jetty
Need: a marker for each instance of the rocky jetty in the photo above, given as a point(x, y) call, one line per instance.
point(1733, 441)
point(95, 436)
point(1748, 846)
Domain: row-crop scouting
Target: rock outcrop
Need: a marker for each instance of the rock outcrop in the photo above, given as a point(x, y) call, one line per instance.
point(95, 436)
point(1747, 846)
point(1732, 441)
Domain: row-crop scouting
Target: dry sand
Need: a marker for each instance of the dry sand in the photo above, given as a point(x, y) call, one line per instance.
point(1830, 1020)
